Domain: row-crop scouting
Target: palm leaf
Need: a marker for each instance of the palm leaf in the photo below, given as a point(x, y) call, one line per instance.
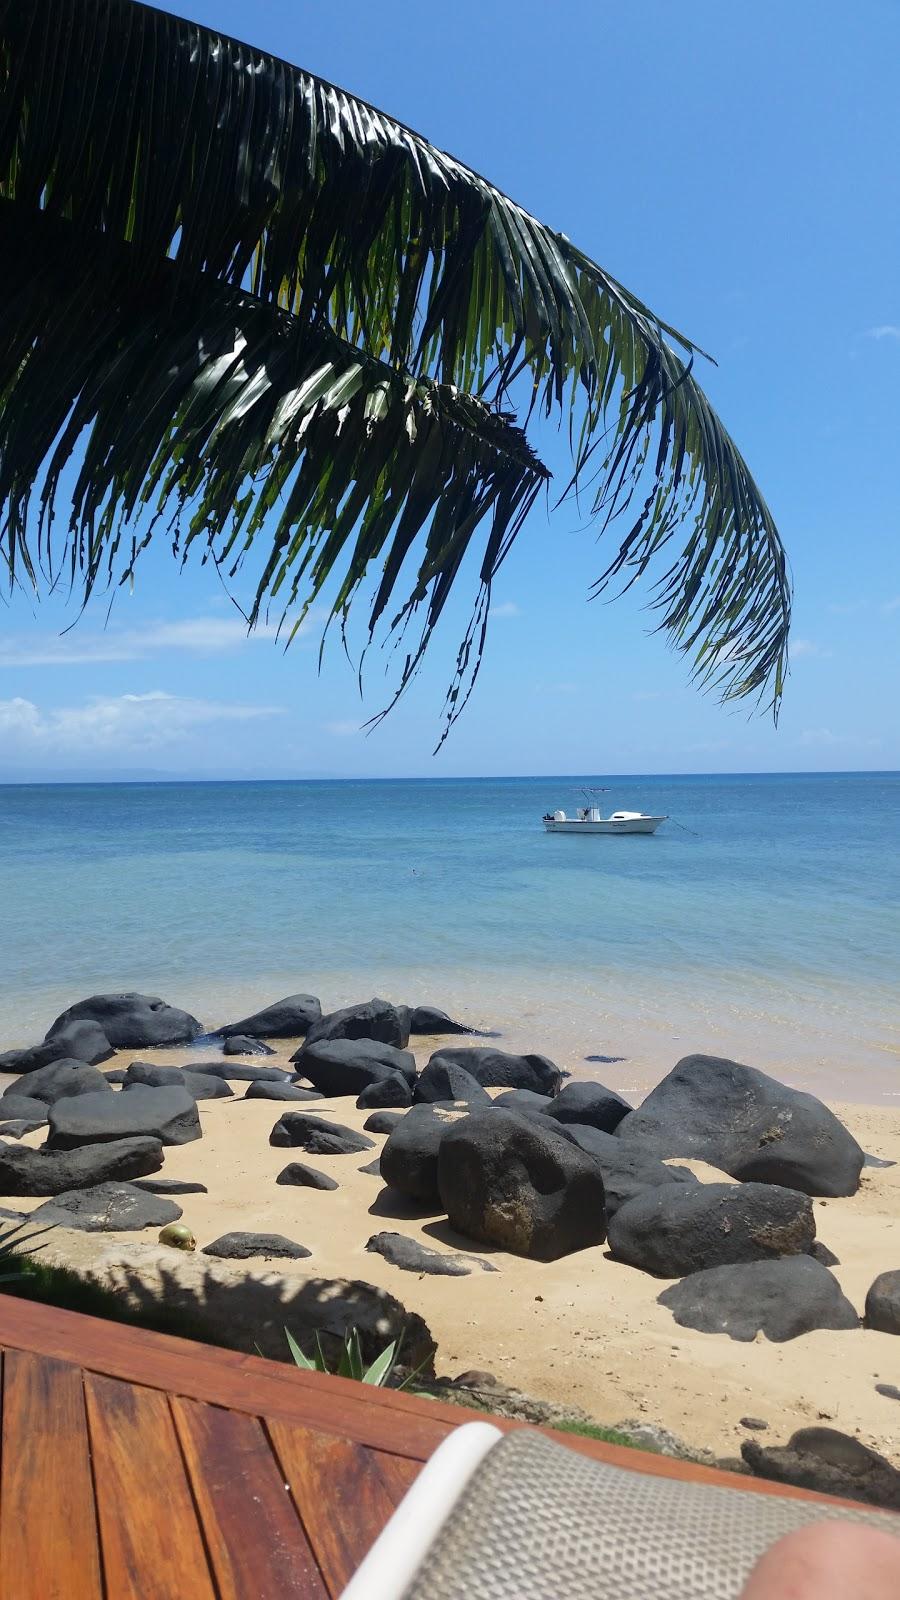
point(252, 175)
point(256, 433)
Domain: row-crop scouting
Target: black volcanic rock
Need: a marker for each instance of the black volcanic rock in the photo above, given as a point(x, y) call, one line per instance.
point(240, 1044)
point(412, 1256)
point(781, 1299)
point(445, 1080)
point(284, 1019)
point(320, 1138)
point(681, 1228)
point(58, 1080)
point(429, 1019)
point(348, 1066)
point(882, 1302)
point(169, 1115)
point(298, 1175)
point(131, 1021)
point(244, 1246)
point(37, 1172)
point(514, 1183)
point(496, 1069)
point(107, 1208)
point(590, 1105)
point(372, 1019)
point(749, 1125)
point(392, 1091)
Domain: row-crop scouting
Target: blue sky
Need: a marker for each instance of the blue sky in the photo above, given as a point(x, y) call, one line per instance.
point(737, 167)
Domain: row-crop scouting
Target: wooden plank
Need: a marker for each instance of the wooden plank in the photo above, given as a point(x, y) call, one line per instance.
point(149, 1533)
point(49, 1548)
point(340, 1494)
point(381, 1419)
point(257, 1544)
point(398, 1472)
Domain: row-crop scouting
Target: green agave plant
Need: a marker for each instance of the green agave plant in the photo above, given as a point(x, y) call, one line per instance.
point(250, 313)
point(350, 1363)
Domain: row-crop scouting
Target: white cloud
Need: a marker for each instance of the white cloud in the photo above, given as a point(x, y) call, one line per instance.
point(823, 738)
point(885, 330)
point(807, 647)
point(120, 722)
point(343, 730)
point(201, 636)
point(892, 605)
point(506, 608)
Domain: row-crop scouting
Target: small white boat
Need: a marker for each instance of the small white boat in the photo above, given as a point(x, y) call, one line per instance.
point(587, 819)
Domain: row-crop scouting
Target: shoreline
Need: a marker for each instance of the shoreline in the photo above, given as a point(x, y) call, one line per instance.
point(628, 1032)
point(583, 1330)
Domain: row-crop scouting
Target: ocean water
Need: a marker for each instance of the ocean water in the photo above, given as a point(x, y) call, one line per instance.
point(762, 922)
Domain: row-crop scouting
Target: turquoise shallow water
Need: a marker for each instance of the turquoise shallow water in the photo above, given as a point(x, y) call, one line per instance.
point(771, 929)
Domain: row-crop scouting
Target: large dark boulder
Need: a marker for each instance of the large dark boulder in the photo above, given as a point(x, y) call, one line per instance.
point(428, 1019)
point(828, 1462)
point(495, 1069)
point(166, 1114)
point(23, 1108)
point(749, 1125)
point(284, 1019)
point(77, 1041)
point(24, 1171)
point(237, 1072)
point(590, 1105)
point(107, 1208)
point(410, 1154)
point(320, 1138)
point(882, 1301)
point(240, 1044)
point(373, 1019)
point(201, 1085)
point(444, 1080)
point(280, 1091)
point(383, 1121)
point(507, 1180)
point(57, 1081)
point(627, 1169)
point(132, 1021)
point(243, 1246)
point(781, 1299)
point(682, 1228)
point(394, 1090)
point(347, 1066)
point(412, 1256)
point(524, 1101)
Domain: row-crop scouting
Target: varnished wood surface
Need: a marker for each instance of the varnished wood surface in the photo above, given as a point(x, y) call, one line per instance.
point(137, 1466)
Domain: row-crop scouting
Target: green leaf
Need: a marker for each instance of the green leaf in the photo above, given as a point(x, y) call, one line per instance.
point(300, 1359)
point(382, 1367)
point(247, 194)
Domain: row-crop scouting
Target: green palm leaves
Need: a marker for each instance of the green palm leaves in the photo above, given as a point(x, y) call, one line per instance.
point(241, 298)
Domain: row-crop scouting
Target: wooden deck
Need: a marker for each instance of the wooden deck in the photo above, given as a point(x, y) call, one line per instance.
point(136, 1466)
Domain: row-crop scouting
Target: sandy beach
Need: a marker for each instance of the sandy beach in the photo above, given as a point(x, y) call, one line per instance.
point(584, 1330)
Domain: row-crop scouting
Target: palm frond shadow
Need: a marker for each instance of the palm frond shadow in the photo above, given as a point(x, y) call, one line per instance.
point(250, 1312)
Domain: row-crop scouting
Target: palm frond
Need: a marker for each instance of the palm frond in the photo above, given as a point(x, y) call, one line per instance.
point(248, 173)
point(251, 431)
